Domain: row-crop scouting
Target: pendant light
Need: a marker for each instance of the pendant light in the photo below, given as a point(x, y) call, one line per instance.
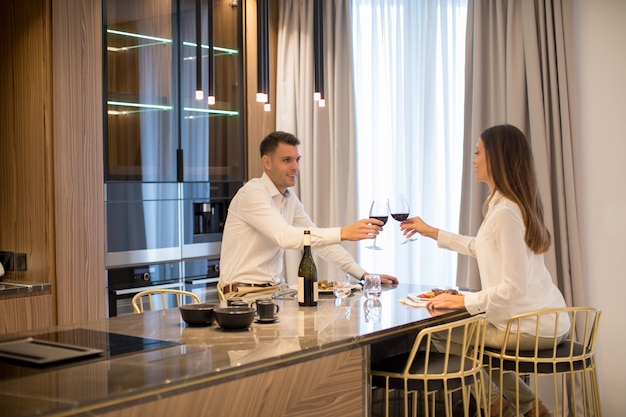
point(263, 61)
point(199, 92)
point(318, 51)
point(211, 64)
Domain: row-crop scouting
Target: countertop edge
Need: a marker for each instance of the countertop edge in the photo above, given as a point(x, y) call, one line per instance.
point(20, 289)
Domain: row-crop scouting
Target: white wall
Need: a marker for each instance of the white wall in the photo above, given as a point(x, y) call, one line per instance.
point(601, 47)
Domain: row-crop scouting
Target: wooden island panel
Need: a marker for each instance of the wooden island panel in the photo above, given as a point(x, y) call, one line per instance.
point(333, 385)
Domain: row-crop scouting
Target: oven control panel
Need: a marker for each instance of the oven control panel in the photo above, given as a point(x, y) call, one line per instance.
point(213, 269)
point(142, 275)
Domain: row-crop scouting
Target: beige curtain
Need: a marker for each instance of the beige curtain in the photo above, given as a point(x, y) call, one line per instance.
point(327, 181)
point(520, 68)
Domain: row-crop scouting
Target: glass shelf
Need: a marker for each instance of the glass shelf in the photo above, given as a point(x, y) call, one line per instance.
point(217, 51)
point(116, 45)
point(123, 41)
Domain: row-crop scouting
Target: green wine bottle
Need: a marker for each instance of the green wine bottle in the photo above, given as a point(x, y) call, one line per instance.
point(307, 275)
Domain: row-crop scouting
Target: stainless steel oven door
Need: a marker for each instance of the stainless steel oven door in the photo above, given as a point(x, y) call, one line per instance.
point(120, 301)
point(201, 277)
point(123, 283)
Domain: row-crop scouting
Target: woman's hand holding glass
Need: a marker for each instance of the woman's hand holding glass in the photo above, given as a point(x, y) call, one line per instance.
point(399, 210)
point(415, 225)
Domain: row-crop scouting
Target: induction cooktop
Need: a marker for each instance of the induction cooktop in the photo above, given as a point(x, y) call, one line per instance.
point(102, 345)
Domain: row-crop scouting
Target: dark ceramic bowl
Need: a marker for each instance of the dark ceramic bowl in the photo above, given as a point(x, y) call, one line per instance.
point(198, 314)
point(234, 317)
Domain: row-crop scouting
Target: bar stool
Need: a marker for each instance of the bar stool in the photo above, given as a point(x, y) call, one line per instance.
point(425, 371)
point(220, 293)
point(180, 298)
point(570, 364)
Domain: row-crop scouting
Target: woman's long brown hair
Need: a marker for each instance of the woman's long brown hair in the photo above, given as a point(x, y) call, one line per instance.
point(511, 166)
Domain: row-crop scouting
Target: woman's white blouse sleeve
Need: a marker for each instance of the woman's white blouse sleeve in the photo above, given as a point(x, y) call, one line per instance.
point(459, 243)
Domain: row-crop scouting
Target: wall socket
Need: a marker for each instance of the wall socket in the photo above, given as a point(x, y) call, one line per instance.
point(19, 261)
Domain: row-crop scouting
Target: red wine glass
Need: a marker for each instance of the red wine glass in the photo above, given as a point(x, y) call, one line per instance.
point(378, 210)
point(399, 210)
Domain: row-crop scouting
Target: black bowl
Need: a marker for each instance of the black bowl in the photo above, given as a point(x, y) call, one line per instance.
point(198, 314)
point(234, 317)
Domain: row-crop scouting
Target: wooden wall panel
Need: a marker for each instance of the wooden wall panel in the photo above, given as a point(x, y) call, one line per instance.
point(26, 169)
point(25, 313)
point(26, 195)
point(78, 160)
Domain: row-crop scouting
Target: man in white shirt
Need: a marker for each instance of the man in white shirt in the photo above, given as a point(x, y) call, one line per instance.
point(265, 218)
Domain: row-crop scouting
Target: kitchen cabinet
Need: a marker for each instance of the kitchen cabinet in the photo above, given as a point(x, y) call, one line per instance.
point(172, 161)
point(52, 130)
point(156, 129)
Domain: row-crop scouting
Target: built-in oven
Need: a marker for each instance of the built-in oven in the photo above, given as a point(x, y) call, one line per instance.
point(124, 282)
point(153, 225)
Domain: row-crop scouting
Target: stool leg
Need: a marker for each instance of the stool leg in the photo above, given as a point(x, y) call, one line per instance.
point(387, 397)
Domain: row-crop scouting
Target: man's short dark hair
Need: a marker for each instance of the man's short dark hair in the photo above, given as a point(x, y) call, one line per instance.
point(271, 141)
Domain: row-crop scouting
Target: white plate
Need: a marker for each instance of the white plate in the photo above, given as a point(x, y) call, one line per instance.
point(415, 297)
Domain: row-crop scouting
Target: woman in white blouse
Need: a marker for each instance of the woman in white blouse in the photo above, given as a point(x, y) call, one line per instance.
point(509, 248)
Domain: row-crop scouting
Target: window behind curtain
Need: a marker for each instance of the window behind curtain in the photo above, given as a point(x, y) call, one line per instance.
point(409, 60)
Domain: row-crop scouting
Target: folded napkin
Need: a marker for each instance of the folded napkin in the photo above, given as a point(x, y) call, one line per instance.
point(412, 303)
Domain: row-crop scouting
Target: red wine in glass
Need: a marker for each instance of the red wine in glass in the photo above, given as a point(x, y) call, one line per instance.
point(399, 210)
point(400, 217)
point(382, 218)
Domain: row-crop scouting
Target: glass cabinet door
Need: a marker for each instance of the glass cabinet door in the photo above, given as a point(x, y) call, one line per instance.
point(212, 135)
point(140, 130)
point(156, 130)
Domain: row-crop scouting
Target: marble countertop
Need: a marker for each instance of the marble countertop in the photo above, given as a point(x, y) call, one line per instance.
point(208, 355)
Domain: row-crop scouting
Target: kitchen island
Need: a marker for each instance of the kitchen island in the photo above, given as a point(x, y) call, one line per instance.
point(311, 361)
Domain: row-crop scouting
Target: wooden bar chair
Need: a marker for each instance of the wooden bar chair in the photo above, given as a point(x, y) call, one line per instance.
point(424, 371)
point(220, 293)
point(570, 364)
point(181, 298)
